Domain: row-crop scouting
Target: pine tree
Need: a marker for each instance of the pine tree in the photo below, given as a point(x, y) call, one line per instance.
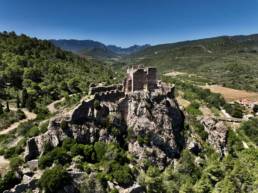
point(1, 109)
point(24, 98)
point(7, 106)
point(18, 101)
point(30, 105)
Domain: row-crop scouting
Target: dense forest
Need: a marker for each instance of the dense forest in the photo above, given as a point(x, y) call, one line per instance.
point(37, 72)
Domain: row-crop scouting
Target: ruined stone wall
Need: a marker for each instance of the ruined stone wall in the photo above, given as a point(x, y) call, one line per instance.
point(85, 111)
point(111, 96)
point(139, 79)
point(152, 78)
point(99, 89)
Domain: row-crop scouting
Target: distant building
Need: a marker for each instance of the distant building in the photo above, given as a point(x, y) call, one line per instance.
point(139, 78)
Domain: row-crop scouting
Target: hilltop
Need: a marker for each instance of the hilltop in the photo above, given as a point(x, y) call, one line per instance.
point(220, 59)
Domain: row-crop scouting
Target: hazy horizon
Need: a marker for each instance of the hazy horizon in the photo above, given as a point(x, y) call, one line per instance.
point(129, 22)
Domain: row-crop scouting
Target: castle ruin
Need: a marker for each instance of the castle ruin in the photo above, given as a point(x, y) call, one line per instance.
point(140, 79)
point(112, 97)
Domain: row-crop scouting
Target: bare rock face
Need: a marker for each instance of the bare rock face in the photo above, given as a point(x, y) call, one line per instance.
point(59, 129)
point(152, 119)
point(155, 121)
point(217, 133)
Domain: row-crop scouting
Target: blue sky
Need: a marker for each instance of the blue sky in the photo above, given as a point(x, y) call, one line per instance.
point(127, 22)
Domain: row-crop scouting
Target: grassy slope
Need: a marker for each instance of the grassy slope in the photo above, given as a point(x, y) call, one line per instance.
point(232, 61)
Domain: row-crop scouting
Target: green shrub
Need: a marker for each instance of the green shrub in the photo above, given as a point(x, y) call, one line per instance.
point(144, 139)
point(15, 162)
point(58, 154)
point(235, 110)
point(10, 152)
point(77, 149)
point(255, 108)
point(153, 171)
point(250, 129)
point(41, 111)
point(89, 153)
point(199, 129)
point(2, 150)
point(54, 179)
point(234, 144)
point(7, 118)
point(193, 111)
point(68, 143)
point(33, 131)
point(23, 128)
point(100, 149)
point(114, 191)
point(64, 125)
point(115, 132)
point(8, 181)
point(122, 174)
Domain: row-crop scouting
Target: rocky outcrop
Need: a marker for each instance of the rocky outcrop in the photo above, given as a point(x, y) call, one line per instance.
point(217, 134)
point(155, 119)
point(58, 130)
point(152, 119)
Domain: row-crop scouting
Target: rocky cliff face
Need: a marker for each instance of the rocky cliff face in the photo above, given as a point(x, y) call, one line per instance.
point(157, 121)
point(152, 121)
point(152, 126)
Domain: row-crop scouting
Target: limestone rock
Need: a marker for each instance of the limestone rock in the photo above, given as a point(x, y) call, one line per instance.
point(156, 117)
point(217, 134)
point(153, 119)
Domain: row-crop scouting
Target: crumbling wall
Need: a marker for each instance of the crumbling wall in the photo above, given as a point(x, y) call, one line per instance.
point(83, 112)
point(152, 78)
point(111, 96)
point(139, 79)
point(99, 89)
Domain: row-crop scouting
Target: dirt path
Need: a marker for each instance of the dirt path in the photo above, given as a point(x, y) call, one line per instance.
point(29, 116)
point(51, 107)
point(4, 164)
point(206, 111)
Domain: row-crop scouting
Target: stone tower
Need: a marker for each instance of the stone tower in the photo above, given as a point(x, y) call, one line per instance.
point(139, 78)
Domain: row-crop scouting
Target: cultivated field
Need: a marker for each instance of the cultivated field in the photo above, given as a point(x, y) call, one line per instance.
point(233, 94)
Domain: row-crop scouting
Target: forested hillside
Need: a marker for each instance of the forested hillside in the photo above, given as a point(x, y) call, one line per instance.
point(38, 72)
point(221, 59)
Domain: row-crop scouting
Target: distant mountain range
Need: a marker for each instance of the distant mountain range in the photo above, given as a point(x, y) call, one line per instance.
point(96, 49)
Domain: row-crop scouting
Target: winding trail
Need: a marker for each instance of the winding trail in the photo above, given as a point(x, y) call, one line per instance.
point(51, 107)
point(4, 164)
point(29, 116)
